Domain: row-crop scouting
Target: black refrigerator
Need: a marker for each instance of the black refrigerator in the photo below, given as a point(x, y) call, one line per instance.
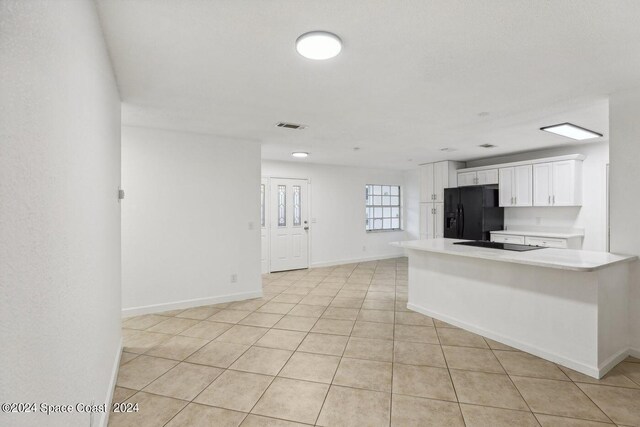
point(471, 212)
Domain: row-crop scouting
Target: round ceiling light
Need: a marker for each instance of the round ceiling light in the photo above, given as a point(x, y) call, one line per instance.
point(300, 154)
point(318, 45)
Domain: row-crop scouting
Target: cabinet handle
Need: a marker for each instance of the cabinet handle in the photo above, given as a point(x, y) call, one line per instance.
point(554, 199)
point(515, 200)
point(549, 199)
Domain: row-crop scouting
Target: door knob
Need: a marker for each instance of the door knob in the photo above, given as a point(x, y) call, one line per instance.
point(306, 229)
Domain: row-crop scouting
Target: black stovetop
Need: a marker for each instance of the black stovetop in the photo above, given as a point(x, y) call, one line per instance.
point(503, 246)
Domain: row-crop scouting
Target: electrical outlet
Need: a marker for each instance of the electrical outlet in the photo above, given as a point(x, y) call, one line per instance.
point(234, 278)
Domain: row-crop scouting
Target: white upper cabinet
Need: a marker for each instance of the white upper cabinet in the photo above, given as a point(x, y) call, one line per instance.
point(516, 186)
point(481, 177)
point(440, 180)
point(557, 183)
point(542, 188)
point(427, 186)
point(487, 176)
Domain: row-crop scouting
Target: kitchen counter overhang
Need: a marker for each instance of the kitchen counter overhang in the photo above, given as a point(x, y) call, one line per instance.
point(566, 306)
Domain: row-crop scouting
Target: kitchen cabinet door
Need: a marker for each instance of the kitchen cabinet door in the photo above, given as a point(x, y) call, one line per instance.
point(506, 183)
point(488, 176)
point(542, 184)
point(466, 178)
point(440, 180)
point(426, 183)
point(438, 217)
point(523, 185)
point(567, 188)
point(426, 220)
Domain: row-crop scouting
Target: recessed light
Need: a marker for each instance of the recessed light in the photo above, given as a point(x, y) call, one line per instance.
point(300, 154)
point(318, 45)
point(487, 146)
point(356, 148)
point(571, 131)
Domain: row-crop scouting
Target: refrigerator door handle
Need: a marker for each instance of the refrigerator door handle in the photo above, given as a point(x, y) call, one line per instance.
point(461, 221)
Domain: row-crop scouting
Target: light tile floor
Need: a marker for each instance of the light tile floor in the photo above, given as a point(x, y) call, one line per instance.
point(336, 346)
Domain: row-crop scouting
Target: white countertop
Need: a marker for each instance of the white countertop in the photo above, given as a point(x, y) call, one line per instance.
point(530, 233)
point(564, 259)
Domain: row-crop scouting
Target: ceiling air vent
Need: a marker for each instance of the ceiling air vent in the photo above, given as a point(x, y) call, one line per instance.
point(487, 146)
point(290, 125)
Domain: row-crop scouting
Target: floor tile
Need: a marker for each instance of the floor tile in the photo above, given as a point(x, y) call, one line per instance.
point(418, 319)
point(615, 377)
point(142, 322)
point(199, 313)
point(553, 421)
point(367, 374)
point(472, 359)
point(195, 415)
point(354, 408)
point(173, 325)
point(126, 357)
point(622, 405)
point(409, 411)
point(276, 307)
point(139, 342)
point(379, 316)
point(318, 300)
point(206, 330)
point(177, 347)
point(302, 310)
point(371, 349)
point(482, 416)
point(495, 345)
point(241, 334)
point(341, 313)
point(460, 337)
point(265, 320)
point(120, 394)
point(378, 305)
point(249, 305)
point(481, 388)
point(413, 353)
point(333, 326)
point(631, 370)
point(383, 331)
point(561, 398)
point(311, 367)
point(235, 390)
point(423, 334)
point(346, 302)
point(171, 313)
point(229, 316)
point(441, 324)
point(153, 411)
point(292, 400)
point(262, 360)
point(281, 338)
point(291, 299)
point(527, 365)
point(143, 370)
point(260, 421)
point(219, 354)
point(184, 381)
point(324, 344)
point(296, 323)
point(423, 381)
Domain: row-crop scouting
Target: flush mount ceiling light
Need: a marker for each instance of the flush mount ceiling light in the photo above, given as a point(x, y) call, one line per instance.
point(318, 45)
point(571, 131)
point(300, 154)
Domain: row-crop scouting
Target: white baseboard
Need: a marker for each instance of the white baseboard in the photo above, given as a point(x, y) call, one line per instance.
point(592, 371)
point(634, 352)
point(103, 421)
point(355, 260)
point(157, 308)
point(612, 361)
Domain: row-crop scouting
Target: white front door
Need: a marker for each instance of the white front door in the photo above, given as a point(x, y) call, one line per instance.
point(264, 226)
point(289, 224)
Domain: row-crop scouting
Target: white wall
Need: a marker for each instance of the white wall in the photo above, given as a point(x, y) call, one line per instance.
point(59, 212)
point(337, 205)
point(591, 216)
point(624, 175)
point(191, 200)
point(412, 204)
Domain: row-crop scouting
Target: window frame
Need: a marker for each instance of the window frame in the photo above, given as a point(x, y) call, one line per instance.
point(368, 206)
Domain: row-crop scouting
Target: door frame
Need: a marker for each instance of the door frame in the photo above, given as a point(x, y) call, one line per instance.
point(267, 201)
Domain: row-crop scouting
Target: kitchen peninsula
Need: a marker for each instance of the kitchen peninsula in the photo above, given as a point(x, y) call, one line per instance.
point(567, 306)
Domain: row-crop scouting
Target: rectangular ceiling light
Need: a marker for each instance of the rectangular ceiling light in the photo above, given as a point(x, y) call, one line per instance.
point(571, 131)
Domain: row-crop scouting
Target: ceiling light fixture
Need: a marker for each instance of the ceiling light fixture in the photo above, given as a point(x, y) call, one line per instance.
point(487, 146)
point(572, 131)
point(318, 45)
point(300, 154)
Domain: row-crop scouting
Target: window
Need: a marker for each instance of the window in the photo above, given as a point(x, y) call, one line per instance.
point(382, 207)
point(296, 205)
point(282, 205)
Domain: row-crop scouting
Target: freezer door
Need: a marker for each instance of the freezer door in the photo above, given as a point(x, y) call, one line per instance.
point(451, 211)
point(471, 201)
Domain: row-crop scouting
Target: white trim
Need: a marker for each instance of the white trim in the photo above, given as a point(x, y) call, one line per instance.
point(579, 157)
point(354, 260)
point(635, 352)
point(156, 308)
point(592, 371)
point(104, 418)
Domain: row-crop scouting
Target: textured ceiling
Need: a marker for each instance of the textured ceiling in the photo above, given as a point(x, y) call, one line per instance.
point(412, 78)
